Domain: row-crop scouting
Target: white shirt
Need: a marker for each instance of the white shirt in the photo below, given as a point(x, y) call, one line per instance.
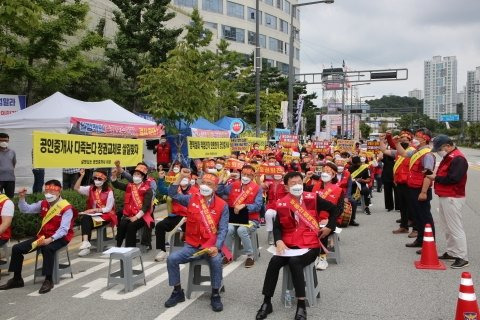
point(8, 209)
point(85, 190)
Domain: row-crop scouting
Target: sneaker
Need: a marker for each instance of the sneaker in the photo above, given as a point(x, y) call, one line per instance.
point(413, 234)
point(459, 263)
point(175, 298)
point(161, 256)
point(446, 256)
point(216, 303)
point(322, 263)
point(85, 245)
point(249, 262)
point(84, 252)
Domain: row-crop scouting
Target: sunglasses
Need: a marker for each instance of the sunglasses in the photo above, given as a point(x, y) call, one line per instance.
point(98, 178)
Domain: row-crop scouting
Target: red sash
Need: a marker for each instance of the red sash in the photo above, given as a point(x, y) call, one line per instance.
point(207, 217)
point(243, 196)
point(136, 196)
point(301, 212)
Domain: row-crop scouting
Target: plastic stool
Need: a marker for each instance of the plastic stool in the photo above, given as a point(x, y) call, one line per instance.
point(195, 278)
point(312, 287)
point(143, 248)
point(126, 275)
point(335, 253)
point(175, 237)
point(238, 247)
point(6, 256)
point(103, 240)
point(59, 269)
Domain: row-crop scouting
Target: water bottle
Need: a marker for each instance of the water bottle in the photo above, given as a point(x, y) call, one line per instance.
point(288, 299)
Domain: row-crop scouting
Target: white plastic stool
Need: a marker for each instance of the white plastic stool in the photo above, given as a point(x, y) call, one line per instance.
point(126, 275)
point(196, 281)
point(312, 287)
point(59, 269)
point(238, 246)
point(335, 253)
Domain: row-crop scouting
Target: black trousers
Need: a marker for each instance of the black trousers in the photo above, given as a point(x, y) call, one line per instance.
point(421, 212)
point(38, 180)
point(69, 180)
point(48, 253)
point(403, 195)
point(87, 226)
point(354, 209)
point(296, 265)
point(388, 191)
point(166, 225)
point(378, 179)
point(8, 188)
point(128, 230)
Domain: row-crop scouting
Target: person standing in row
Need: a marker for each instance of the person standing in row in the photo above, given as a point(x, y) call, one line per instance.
point(8, 161)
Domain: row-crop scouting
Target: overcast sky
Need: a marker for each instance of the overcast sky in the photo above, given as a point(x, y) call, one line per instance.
point(376, 34)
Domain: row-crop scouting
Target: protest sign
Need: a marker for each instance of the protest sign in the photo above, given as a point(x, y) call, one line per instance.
point(208, 147)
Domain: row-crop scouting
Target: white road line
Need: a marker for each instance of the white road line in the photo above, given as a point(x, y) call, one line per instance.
point(93, 286)
point(170, 313)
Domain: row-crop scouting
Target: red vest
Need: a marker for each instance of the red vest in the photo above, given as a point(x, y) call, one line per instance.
point(7, 234)
point(297, 233)
point(401, 175)
point(236, 191)
point(415, 174)
point(196, 234)
point(276, 191)
point(163, 153)
point(130, 207)
point(177, 208)
point(52, 226)
point(456, 190)
point(343, 183)
point(331, 193)
point(109, 216)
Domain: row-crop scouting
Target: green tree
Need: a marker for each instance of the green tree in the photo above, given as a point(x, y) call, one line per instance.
point(270, 109)
point(44, 46)
point(415, 121)
point(395, 105)
point(365, 130)
point(142, 41)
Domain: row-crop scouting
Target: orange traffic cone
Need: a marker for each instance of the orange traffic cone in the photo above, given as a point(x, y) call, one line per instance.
point(429, 259)
point(467, 307)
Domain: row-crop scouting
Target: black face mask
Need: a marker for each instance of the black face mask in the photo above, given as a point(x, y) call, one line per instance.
point(404, 145)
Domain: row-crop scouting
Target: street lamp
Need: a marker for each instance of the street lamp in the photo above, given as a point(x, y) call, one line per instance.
point(291, 69)
point(351, 106)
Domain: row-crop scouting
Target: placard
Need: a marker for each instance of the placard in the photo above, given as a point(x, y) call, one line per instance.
point(208, 147)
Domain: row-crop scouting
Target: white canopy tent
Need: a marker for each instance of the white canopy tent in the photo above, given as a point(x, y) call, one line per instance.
point(54, 114)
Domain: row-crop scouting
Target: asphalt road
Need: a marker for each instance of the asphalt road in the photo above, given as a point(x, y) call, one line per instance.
point(376, 280)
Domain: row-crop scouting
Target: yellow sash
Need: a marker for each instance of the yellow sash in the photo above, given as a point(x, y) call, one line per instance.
point(400, 160)
point(136, 197)
point(53, 211)
point(3, 198)
point(207, 218)
point(303, 214)
point(243, 196)
point(417, 155)
point(359, 170)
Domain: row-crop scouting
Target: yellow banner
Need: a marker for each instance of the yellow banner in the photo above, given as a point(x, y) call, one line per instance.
point(208, 147)
point(262, 142)
point(57, 150)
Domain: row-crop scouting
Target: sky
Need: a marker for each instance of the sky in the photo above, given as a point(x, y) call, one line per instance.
point(379, 34)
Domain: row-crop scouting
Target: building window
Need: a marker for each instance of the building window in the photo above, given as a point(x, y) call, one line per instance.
point(270, 2)
point(270, 21)
point(268, 62)
point(213, 5)
point(282, 67)
point(235, 10)
point(280, 4)
point(233, 34)
point(275, 45)
point(213, 27)
point(251, 15)
point(286, 7)
point(284, 26)
point(187, 3)
point(297, 53)
point(262, 38)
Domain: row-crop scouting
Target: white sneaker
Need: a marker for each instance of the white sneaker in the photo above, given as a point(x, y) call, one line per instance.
point(85, 245)
point(84, 252)
point(322, 263)
point(162, 255)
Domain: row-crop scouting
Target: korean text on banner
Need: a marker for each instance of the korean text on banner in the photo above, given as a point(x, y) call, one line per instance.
point(373, 146)
point(289, 140)
point(113, 129)
point(240, 144)
point(346, 145)
point(321, 146)
point(262, 142)
point(208, 147)
point(56, 150)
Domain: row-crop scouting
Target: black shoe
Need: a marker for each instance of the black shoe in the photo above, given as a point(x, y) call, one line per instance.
point(46, 287)
point(264, 311)
point(13, 283)
point(388, 210)
point(176, 297)
point(301, 314)
point(3, 262)
point(419, 251)
point(414, 244)
point(354, 223)
point(398, 221)
point(446, 256)
point(216, 303)
point(367, 211)
point(459, 263)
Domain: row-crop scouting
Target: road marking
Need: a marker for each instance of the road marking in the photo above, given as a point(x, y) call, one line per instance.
point(93, 286)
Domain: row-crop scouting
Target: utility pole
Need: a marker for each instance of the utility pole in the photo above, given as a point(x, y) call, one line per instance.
point(258, 64)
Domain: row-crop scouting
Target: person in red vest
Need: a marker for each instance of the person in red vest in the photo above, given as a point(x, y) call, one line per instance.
point(7, 208)
point(275, 190)
point(421, 164)
point(449, 185)
point(137, 209)
point(179, 211)
point(296, 226)
point(345, 182)
point(206, 228)
point(100, 199)
point(163, 151)
point(56, 231)
point(247, 195)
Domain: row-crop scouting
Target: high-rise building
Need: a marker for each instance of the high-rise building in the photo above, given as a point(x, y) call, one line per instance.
point(440, 86)
point(472, 96)
point(230, 20)
point(416, 93)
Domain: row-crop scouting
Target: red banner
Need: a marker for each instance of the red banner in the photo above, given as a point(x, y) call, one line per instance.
point(234, 164)
point(321, 146)
point(115, 129)
point(264, 169)
point(288, 140)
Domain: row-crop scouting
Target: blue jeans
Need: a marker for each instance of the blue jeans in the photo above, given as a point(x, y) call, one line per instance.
point(185, 256)
point(244, 234)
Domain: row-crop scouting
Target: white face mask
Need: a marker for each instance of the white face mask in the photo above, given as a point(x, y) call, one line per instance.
point(415, 143)
point(137, 179)
point(277, 177)
point(184, 182)
point(3, 144)
point(235, 175)
point(50, 197)
point(218, 166)
point(340, 169)
point(98, 183)
point(296, 190)
point(163, 141)
point(326, 177)
point(362, 159)
point(205, 190)
point(210, 170)
point(192, 182)
point(176, 169)
point(442, 153)
point(246, 180)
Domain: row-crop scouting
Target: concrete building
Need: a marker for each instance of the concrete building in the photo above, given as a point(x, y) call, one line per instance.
point(230, 20)
point(440, 86)
point(472, 96)
point(416, 93)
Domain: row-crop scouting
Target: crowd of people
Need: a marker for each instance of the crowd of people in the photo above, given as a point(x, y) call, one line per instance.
point(299, 194)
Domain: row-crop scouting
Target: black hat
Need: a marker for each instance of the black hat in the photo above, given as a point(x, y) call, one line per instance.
point(439, 141)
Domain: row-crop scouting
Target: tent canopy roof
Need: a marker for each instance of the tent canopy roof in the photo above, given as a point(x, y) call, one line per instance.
point(200, 123)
